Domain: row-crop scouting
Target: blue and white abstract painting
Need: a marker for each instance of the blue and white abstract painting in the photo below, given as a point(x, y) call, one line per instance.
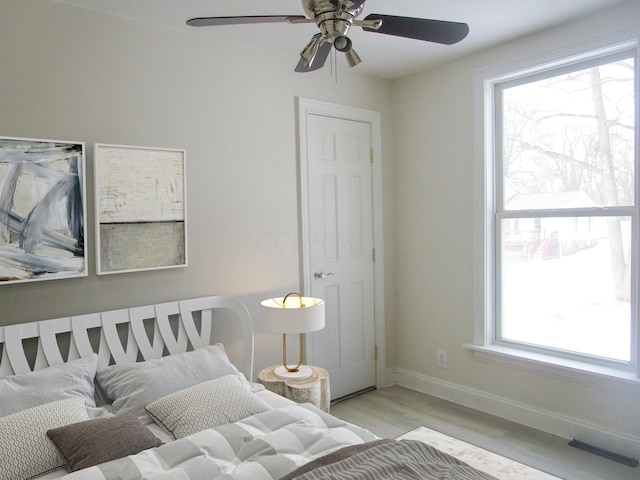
point(42, 210)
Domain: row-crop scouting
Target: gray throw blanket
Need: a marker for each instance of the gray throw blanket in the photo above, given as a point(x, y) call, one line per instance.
point(387, 460)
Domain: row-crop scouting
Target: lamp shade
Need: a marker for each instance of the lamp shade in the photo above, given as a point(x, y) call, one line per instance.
point(296, 315)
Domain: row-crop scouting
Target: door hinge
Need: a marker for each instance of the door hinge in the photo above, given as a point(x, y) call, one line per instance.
point(375, 352)
point(373, 255)
point(372, 155)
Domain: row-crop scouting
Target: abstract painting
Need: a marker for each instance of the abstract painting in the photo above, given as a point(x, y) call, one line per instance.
point(42, 210)
point(141, 208)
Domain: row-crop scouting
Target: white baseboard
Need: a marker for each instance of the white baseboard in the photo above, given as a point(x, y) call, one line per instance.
point(544, 420)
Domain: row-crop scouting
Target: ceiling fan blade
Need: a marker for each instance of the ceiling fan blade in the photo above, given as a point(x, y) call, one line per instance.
point(216, 21)
point(318, 61)
point(438, 31)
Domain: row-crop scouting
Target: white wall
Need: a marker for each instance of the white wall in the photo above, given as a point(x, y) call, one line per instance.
point(433, 128)
point(73, 74)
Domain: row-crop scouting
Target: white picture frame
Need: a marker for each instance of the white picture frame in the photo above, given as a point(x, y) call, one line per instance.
point(141, 208)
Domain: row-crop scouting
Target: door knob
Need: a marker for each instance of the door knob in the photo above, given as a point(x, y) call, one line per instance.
point(320, 275)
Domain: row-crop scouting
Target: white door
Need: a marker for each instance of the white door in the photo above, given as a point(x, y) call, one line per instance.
point(341, 249)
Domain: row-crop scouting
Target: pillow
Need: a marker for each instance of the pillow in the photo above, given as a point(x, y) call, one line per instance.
point(67, 380)
point(132, 386)
point(209, 404)
point(91, 442)
point(25, 449)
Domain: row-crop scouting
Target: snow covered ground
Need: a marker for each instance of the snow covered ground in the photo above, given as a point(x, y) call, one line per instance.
point(567, 303)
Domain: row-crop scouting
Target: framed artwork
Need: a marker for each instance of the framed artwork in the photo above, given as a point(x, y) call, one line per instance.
point(42, 210)
point(140, 208)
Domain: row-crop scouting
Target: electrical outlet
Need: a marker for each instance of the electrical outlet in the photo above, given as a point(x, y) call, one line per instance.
point(441, 359)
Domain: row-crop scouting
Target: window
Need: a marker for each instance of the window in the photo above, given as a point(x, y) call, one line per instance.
point(560, 211)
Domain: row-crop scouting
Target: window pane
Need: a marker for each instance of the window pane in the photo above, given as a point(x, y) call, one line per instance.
point(568, 140)
point(565, 284)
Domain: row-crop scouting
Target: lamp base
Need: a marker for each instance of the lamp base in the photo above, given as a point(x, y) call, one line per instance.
point(302, 373)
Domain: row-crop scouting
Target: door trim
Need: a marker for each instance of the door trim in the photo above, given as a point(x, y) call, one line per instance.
point(307, 107)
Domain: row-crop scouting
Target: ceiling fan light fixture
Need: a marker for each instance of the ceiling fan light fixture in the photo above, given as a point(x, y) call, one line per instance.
point(352, 57)
point(309, 52)
point(342, 43)
point(345, 45)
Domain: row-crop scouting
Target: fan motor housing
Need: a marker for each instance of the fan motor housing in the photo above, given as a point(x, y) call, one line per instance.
point(333, 26)
point(333, 21)
point(314, 8)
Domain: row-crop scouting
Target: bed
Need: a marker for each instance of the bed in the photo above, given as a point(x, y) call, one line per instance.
point(146, 392)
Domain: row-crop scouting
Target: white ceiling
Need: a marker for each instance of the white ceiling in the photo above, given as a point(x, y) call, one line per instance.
point(490, 22)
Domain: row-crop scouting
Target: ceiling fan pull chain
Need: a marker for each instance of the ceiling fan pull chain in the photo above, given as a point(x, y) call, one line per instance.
point(332, 65)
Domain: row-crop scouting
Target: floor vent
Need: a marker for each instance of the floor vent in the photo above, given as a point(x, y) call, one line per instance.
point(632, 462)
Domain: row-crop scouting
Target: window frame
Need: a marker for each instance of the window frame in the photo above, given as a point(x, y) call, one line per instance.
point(486, 345)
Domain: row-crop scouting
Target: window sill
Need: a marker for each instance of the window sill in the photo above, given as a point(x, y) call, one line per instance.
point(618, 380)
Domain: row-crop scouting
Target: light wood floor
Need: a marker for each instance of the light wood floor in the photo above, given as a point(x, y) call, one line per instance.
point(396, 410)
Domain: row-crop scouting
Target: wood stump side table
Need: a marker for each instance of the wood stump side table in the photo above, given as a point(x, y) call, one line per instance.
point(314, 390)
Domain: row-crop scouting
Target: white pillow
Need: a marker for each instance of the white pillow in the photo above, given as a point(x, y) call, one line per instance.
point(209, 404)
point(25, 448)
point(132, 386)
point(67, 380)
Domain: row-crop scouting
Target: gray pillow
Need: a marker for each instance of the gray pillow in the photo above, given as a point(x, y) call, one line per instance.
point(74, 379)
point(133, 386)
point(25, 449)
point(91, 442)
point(206, 405)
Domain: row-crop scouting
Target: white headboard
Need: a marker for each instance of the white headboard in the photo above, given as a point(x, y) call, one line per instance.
point(158, 318)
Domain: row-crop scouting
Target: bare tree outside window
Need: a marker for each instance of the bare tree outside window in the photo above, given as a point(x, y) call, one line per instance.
point(566, 211)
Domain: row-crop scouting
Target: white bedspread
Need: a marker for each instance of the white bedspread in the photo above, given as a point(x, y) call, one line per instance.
point(265, 446)
point(274, 400)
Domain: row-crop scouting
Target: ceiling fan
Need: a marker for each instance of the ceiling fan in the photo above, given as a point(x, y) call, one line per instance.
point(334, 18)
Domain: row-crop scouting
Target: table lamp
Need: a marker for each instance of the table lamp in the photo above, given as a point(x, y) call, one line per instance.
point(290, 315)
